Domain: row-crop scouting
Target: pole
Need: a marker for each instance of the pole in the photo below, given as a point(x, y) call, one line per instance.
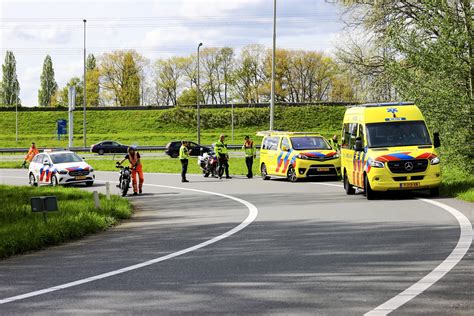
point(272, 100)
point(198, 101)
point(16, 120)
point(72, 100)
point(232, 123)
point(84, 89)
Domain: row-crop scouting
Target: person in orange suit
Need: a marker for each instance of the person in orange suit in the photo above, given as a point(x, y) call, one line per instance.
point(32, 152)
point(133, 157)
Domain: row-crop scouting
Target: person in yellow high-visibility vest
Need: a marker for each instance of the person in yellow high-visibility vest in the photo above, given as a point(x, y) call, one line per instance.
point(184, 158)
point(220, 148)
point(250, 154)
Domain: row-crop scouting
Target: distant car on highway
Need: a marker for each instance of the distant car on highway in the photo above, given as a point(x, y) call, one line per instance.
point(59, 168)
point(172, 149)
point(109, 146)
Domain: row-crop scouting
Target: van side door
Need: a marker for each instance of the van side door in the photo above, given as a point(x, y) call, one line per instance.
point(272, 149)
point(360, 157)
point(349, 134)
point(283, 157)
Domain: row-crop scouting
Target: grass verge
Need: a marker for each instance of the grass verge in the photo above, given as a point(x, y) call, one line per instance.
point(22, 231)
point(457, 183)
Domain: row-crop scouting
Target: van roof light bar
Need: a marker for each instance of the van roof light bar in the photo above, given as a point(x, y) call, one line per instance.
point(370, 105)
point(268, 133)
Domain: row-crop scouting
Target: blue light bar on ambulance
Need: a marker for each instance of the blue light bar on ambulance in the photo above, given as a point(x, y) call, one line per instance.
point(368, 105)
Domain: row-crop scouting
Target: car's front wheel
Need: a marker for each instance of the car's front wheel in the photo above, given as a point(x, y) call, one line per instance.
point(89, 183)
point(434, 192)
point(54, 181)
point(291, 174)
point(33, 180)
point(369, 193)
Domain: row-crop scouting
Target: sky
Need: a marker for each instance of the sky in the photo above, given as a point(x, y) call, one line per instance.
point(156, 29)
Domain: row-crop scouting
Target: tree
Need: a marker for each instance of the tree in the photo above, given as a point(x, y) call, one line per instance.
point(121, 73)
point(168, 74)
point(62, 97)
point(428, 56)
point(189, 97)
point(226, 68)
point(250, 74)
point(10, 88)
point(48, 84)
point(92, 81)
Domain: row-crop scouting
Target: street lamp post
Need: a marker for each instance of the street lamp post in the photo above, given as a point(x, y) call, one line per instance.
point(16, 119)
point(198, 94)
point(84, 88)
point(272, 97)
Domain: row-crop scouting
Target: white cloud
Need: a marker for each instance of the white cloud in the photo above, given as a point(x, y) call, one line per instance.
point(174, 27)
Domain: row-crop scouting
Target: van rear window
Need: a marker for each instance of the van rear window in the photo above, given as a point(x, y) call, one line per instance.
point(392, 134)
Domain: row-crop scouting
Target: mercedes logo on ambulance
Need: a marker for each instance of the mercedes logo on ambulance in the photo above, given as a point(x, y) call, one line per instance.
point(408, 166)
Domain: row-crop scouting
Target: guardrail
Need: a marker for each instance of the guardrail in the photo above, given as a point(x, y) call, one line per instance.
point(81, 149)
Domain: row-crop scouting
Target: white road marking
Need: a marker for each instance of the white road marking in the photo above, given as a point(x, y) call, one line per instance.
point(463, 245)
point(253, 212)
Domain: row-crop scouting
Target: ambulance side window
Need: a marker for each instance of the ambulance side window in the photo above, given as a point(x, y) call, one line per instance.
point(352, 135)
point(361, 134)
point(271, 143)
point(285, 143)
point(345, 136)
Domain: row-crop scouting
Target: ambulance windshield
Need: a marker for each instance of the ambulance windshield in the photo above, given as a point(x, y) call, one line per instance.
point(392, 134)
point(309, 142)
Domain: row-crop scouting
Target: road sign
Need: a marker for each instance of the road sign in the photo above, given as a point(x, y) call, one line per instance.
point(61, 128)
point(44, 204)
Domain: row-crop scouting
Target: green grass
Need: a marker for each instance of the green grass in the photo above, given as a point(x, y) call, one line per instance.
point(158, 127)
point(23, 231)
point(457, 183)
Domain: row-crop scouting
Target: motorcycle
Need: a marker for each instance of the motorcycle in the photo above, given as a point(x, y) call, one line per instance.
point(208, 164)
point(124, 179)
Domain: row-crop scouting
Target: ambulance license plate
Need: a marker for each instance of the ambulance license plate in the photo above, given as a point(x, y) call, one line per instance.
point(410, 185)
point(323, 169)
point(81, 178)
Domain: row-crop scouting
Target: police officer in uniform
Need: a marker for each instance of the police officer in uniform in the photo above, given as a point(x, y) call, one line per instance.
point(250, 154)
point(220, 148)
point(184, 158)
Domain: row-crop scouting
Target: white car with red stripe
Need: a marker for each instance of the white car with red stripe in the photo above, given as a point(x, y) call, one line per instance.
point(59, 168)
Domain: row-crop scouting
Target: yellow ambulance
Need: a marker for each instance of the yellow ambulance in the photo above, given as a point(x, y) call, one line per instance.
point(297, 155)
point(387, 146)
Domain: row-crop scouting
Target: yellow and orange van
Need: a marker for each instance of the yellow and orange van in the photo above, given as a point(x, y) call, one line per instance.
point(295, 155)
point(387, 146)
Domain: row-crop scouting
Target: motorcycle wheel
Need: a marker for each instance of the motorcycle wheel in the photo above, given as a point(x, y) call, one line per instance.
point(125, 185)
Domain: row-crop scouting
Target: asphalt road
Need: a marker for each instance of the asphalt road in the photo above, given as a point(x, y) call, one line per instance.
point(310, 250)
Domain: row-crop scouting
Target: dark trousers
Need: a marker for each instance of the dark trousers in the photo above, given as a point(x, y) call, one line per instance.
point(223, 163)
point(249, 163)
point(184, 168)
